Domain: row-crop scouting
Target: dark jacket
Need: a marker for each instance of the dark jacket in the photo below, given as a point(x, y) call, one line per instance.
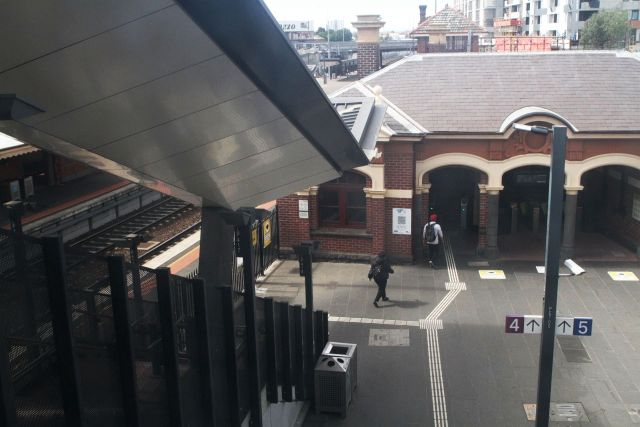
point(386, 268)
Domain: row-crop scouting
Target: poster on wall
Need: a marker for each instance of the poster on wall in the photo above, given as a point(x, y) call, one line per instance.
point(401, 221)
point(28, 186)
point(266, 233)
point(303, 208)
point(14, 188)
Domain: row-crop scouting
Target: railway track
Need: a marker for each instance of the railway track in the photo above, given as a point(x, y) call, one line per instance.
point(149, 217)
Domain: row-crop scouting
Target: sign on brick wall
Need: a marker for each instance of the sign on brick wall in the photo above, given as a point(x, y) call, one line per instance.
point(401, 221)
point(303, 208)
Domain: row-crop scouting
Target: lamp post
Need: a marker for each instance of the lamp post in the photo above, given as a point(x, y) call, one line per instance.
point(552, 266)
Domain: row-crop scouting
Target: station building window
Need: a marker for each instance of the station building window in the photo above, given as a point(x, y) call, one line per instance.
point(342, 202)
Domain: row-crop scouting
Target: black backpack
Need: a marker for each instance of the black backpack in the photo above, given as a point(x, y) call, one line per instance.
point(430, 235)
point(375, 271)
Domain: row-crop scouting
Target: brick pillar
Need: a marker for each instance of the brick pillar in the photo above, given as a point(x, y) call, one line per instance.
point(569, 233)
point(482, 220)
point(399, 176)
point(291, 227)
point(368, 41)
point(422, 216)
point(368, 58)
point(375, 219)
point(493, 200)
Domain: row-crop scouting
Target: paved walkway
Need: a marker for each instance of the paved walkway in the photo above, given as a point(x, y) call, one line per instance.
point(437, 353)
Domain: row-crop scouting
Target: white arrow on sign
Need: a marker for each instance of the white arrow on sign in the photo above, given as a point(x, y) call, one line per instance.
point(532, 324)
point(564, 325)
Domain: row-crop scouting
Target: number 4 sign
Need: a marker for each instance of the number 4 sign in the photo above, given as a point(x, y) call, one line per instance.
point(514, 324)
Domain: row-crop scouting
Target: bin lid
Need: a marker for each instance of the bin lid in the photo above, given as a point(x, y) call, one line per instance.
point(339, 349)
point(332, 364)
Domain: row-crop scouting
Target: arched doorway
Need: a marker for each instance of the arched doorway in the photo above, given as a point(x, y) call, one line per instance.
point(608, 213)
point(453, 195)
point(523, 202)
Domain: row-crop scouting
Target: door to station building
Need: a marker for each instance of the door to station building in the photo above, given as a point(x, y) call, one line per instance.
point(454, 197)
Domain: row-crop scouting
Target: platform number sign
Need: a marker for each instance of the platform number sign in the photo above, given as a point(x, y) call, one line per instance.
point(532, 324)
point(582, 326)
point(514, 324)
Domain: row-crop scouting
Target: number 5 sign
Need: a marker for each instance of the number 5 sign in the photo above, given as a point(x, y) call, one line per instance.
point(582, 326)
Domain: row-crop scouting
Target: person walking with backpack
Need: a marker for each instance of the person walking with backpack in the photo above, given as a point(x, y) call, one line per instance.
point(379, 272)
point(432, 235)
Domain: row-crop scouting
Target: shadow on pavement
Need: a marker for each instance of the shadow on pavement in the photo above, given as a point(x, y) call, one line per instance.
point(402, 304)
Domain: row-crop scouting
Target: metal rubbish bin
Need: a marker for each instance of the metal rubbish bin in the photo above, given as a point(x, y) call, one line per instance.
point(333, 384)
point(348, 350)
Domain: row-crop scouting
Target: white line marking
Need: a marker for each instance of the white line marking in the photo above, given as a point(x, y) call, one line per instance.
point(365, 320)
point(455, 285)
point(432, 324)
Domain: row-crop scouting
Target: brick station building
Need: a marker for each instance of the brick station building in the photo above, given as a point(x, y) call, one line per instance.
point(447, 144)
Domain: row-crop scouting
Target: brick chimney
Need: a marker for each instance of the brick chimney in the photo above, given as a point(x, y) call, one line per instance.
point(423, 13)
point(368, 39)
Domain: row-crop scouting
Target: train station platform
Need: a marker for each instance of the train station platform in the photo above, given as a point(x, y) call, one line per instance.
point(437, 353)
point(50, 200)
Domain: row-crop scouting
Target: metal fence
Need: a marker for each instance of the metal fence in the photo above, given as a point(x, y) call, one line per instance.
point(120, 344)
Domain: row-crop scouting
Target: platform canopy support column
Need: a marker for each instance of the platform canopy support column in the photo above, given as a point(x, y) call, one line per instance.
point(493, 200)
point(215, 268)
point(570, 210)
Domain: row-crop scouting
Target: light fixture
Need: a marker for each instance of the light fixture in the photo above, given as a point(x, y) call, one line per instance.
point(533, 129)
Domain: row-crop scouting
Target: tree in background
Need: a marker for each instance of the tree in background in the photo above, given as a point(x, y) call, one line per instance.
point(342, 34)
point(606, 29)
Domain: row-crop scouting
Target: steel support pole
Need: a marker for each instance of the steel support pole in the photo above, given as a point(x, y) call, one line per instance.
point(204, 346)
point(166, 309)
point(255, 396)
point(7, 395)
point(63, 331)
point(124, 339)
point(286, 349)
point(552, 265)
point(135, 276)
point(272, 367)
point(309, 338)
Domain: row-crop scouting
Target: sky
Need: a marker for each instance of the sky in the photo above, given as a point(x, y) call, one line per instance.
point(399, 15)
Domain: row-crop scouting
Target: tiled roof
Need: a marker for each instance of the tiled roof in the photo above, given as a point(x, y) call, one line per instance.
point(471, 92)
point(446, 21)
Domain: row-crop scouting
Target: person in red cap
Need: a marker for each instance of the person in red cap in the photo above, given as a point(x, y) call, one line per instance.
point(432, 235)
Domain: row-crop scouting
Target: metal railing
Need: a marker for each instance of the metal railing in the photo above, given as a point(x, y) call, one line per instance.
point(83, 347)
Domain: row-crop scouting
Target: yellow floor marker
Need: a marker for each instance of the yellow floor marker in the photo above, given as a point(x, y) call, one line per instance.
point(492, 274)
point(623, 276)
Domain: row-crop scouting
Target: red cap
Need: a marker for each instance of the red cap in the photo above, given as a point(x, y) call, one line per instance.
point(433, 217)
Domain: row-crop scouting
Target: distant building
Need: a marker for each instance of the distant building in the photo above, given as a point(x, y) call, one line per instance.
point(447, 145)
point(447, 31)
point(298, 31)
point(482, 12)
point(554, 18)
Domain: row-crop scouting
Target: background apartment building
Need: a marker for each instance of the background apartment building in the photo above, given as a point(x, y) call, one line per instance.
point(559, 18)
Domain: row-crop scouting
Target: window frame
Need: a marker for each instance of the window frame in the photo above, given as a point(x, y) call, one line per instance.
point(342, 190)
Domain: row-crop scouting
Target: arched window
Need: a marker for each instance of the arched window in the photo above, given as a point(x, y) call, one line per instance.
point(342, 202)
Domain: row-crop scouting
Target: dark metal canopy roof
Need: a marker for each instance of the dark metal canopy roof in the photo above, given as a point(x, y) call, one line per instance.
point(203, 100)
